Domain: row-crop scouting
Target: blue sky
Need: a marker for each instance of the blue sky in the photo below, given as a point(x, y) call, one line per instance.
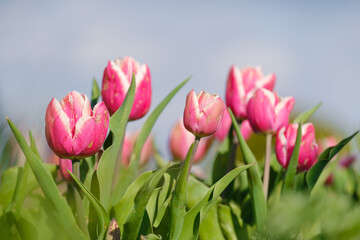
point(48, 49)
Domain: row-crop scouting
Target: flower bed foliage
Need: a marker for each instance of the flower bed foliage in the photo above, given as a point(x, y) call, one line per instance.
point(271, 178)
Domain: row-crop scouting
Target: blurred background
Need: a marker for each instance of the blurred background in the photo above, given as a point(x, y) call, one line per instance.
point(49, 49)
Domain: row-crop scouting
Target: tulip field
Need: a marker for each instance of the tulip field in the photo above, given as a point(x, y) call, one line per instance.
point(242, 167)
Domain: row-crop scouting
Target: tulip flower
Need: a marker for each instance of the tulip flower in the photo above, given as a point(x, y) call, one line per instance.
point(225, 125)
point(116, 82)
point(181, 140)
point(285, 142)
point(267, 112)
point(72, 129)
point(241, 86)
point(203, 113)
point(128, 148)
point(65, 165)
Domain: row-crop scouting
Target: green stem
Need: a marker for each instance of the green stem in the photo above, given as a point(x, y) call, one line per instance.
point(267, 165)
point(192, 157)
point(78, 200)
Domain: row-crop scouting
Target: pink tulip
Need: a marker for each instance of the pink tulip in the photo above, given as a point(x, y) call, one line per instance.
point(285, 142)
point(181, 140)
point(203, 113)
point(72, 129)
point(267, 112)
point(225, 125)
point(65, 165)
point(128, 148)
point(116, 82)
point(241, 86)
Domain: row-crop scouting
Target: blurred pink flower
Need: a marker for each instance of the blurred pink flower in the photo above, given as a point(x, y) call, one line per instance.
point(241, 86)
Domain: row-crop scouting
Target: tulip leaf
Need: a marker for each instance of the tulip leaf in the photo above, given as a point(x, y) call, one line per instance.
point(227, 222)
point(123, 208)
point(133, 222)
point(93, 223)
point(95, 93)
point(303, 117)
point(129, 175)
point(103, 217)
point(195, 216)
point(107, 163)
point(316, 170)
point(180, 198)
point(49, 188)
point(292, 167)
point(258, 201)
point(210, 227)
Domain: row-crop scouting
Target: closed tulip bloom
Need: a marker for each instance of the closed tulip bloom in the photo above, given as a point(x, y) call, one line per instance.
point(181, 140)
point(203, 113)
point(241, 86)
point(225, 125)
point(267, 113)
point(72, 129)
point(285, 142)
point(116, 82)
point(128, 148)
point(65, 165)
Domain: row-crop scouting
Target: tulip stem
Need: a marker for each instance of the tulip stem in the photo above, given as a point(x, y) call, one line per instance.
point(192, 157)
point(78, 200)
point(267, 165)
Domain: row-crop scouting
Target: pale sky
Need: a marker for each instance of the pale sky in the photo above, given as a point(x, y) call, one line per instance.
point(50, 48)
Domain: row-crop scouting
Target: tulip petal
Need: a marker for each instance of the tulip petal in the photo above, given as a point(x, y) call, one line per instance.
point(142, 101)
point(191, 112)
point(261, 111)
point(282, 112)
point(281, 148)
point(235, 93)
point(83, 140)
point(57, 130)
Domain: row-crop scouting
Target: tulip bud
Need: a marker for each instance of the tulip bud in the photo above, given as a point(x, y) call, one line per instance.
point(65, 165)
point(225, 125)
point(267, 112)
point(241, 86)
point(128, 148)
point(181, 140)
point(72, 129)
point(116, 82)
point(203, 113)
point(285, 142)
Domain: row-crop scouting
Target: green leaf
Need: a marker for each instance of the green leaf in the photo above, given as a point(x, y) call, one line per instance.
point(123, 208)
point(258, 202)
point(292, 167)
point(220, 166)
point(306, 115)
point(94, 221)
point(107, 163)
point(195, 216)
point(226, 222)
point(210, 227)
point(315, 171)
point(49, 188)
point(102, 215)
point(127, 178)
point(133, 223)
point(95, 93)
point(180, 198)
